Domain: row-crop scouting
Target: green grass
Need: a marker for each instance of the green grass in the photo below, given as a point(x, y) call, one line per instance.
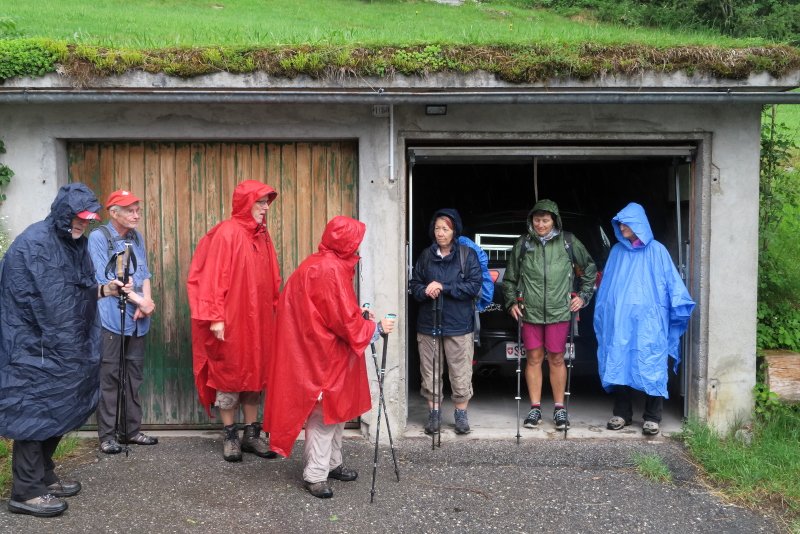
point(66, 447)
point(763, 474)
point(148, 24)
point(652, 467)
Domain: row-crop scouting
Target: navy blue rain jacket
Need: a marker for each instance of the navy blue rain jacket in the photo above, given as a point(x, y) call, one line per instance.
point(642, 310)
point(49, 330)
point(458, 316)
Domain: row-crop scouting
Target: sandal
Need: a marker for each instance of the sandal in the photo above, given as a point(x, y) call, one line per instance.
point(617, 423)
point(142, 439)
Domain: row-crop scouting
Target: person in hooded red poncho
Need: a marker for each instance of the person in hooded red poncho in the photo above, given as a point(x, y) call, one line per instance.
point(233, 285)
point(317, 372)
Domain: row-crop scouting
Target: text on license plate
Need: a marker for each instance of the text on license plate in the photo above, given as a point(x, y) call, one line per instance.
point(513, 350)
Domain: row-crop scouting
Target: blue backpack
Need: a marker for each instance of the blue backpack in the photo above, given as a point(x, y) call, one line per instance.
point(487, 286)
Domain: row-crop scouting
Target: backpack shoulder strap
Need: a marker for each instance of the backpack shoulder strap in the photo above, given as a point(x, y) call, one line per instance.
point(568, 246)
point(109, 240)
point(463, 251)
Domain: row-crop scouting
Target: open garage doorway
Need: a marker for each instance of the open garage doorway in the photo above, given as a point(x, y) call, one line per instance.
point(493, 188)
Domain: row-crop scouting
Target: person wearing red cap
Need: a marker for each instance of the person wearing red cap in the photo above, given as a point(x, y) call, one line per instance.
point(124, 210)
point(49, 347)
point(233, 288)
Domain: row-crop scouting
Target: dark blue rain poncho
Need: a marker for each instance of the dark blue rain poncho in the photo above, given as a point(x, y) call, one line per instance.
point(642, 310)
point(49, 331)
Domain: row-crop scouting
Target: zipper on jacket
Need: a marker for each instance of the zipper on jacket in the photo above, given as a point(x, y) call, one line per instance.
point(544, 294)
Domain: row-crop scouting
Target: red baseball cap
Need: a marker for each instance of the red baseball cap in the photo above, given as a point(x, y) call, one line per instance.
point(121, 198)
point(88, 215)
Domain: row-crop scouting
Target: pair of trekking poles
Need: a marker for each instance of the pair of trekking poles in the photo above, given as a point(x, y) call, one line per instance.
point(569, 358)
point(380, 372)
point(121, 266)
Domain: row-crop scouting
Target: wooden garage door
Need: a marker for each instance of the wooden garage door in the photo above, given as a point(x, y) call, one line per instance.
point(187, 188)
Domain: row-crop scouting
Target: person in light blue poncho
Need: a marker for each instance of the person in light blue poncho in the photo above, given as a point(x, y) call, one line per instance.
point(642, 310)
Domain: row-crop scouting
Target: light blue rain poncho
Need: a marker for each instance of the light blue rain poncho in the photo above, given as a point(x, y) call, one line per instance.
point(641, 311)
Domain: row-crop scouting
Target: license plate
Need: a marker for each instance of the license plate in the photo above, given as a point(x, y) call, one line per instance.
point(513, 350)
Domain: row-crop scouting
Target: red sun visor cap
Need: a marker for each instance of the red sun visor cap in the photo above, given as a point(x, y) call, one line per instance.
point(87, 216)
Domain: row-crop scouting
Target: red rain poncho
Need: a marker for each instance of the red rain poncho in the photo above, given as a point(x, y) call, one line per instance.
point(234, 277)
point(320, 340)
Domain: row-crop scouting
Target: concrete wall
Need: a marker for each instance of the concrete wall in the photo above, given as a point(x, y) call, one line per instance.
point(726, 197)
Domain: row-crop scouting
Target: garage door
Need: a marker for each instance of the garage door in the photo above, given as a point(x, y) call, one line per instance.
point(187, 188)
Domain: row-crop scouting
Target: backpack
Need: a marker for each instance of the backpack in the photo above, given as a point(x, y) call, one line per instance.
point(487, 286)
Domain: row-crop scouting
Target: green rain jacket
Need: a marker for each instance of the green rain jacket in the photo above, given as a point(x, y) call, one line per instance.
point(544, 273)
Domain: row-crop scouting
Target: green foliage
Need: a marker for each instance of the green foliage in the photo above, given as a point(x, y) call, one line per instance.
point(760, 472)
point(27, 58)
point(776, 20)
point(5, 173)
point(767, 403)
point(8, 28)
point(428, 59)
point(779, 224)
point(652, 467)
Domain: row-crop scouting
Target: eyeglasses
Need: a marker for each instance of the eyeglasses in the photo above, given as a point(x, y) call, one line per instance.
point(262, 203)
point(131, 211)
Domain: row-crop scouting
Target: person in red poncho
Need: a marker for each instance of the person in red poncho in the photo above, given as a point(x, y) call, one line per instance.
point(317, 372)
point(234, 283)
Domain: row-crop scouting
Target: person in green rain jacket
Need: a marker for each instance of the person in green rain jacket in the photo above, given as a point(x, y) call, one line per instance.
point(541, 271)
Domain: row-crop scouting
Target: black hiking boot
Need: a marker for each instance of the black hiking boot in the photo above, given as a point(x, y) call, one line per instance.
point(434, 422)
point(462, 422)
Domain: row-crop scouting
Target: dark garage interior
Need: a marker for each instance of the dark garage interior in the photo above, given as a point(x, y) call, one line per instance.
point(495, 195)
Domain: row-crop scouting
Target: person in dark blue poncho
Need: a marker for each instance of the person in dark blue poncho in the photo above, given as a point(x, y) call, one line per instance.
point(642, 310)
point(49, 346)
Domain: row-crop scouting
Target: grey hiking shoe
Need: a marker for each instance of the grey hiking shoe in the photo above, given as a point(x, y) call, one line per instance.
point(462, 422)
point(534, 418)
point(650, 428)
point(231, 447)
point(560, 418)
point(434, 422)
point(253, 441)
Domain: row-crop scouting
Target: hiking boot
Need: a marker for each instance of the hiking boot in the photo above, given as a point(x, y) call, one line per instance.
point(252, 441)
point(533, 419)
point(434, 422)
point(343, 473)
point(320, 490)
point(231, 447)
point(560, 418)
point(43, 506)
point(617, 423)
point(650, 428)
point(462, 422)
point(64, 488)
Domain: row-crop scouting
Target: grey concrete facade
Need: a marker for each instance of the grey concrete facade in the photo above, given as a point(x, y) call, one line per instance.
point(723, 264)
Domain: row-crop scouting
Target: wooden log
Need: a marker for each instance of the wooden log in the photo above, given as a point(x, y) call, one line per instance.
point(783, 374)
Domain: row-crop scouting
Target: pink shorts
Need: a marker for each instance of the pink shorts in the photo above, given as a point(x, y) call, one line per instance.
point(553, 337)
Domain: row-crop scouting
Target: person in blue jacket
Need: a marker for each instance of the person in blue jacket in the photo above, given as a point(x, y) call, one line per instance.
point(438, 273)
point(49, 346)
point(642, 310)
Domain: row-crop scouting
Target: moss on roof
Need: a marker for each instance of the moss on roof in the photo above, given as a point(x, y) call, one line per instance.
point(515, 64)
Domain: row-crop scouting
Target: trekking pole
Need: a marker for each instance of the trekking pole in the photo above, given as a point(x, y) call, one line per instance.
point(439, 364)
point(381, 375)
point(121, 417)
point(520, 306)
point(569, 356)
point(378, 426)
